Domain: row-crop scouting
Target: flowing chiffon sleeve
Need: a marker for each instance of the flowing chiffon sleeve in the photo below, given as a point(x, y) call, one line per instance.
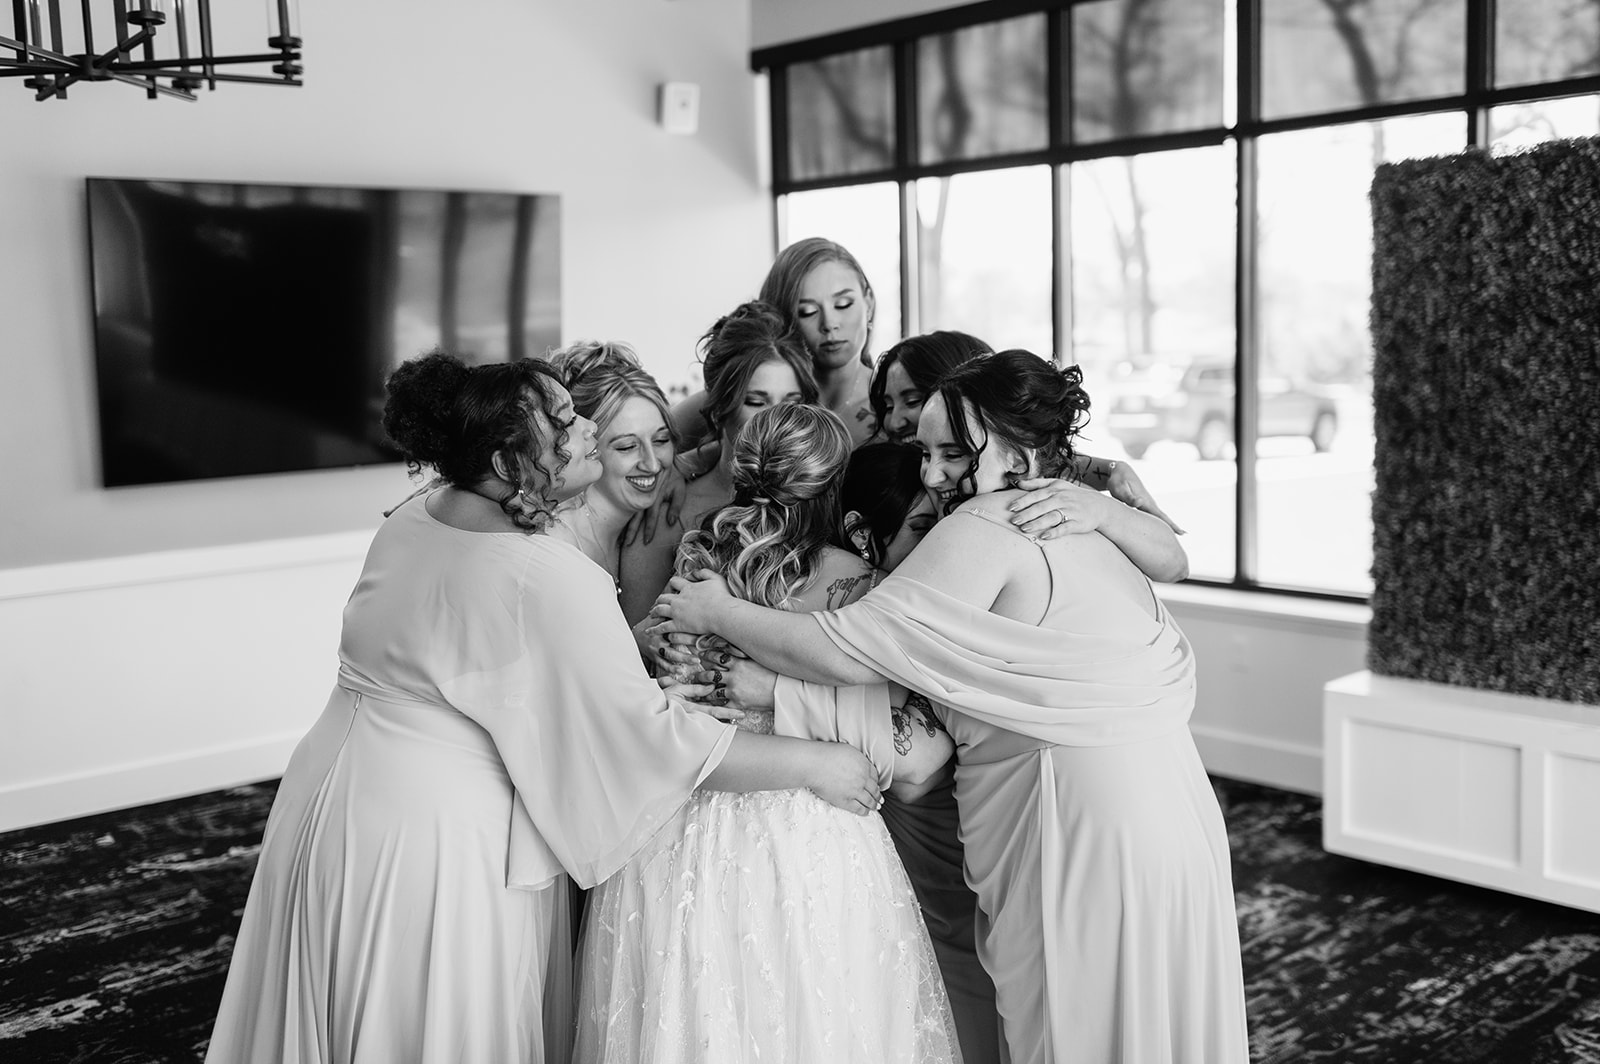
point(599, 757)
point(1074, 688)
point(856, 715)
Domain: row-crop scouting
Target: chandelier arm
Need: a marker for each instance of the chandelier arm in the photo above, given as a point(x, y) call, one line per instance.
point(104, 62)
point(151, 86)
point(261, 79)
point(161, 66)
point(36, 50)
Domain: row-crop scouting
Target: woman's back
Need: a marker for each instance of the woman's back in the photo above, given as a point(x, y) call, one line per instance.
point(1080, 583)
point(435, 603)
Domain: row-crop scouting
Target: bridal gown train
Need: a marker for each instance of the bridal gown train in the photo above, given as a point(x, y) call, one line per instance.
point(768, 928)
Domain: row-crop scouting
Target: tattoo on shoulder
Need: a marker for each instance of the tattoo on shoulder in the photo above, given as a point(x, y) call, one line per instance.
point(923, 708)
point(840, 590)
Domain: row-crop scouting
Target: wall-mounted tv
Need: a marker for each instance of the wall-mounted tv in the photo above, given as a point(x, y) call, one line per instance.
point(248, 328)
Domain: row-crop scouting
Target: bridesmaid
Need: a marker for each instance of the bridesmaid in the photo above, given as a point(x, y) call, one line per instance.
point(637, 454)
point(1092, 835)
point(910, 371)
point(490, 732)
point(751, 361)
point(822, 295)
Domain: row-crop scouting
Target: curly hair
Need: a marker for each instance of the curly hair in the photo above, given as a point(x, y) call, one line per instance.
point(781, 287)
point(926, 359)
point(602, 375)
point(452, 417)
point(882, 484)
point(1021, 400)
point(741, 343)
point(788, 463)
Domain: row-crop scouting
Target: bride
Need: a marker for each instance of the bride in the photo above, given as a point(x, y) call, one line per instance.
point(771, 926)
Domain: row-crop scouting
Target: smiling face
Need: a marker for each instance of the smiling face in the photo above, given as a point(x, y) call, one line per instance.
point(582, 465)
point(834, 314)
point(635, 447)
point(945, 460)
point(772, 384)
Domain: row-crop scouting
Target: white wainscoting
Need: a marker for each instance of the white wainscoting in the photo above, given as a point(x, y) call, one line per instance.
point(132, 680)
point(1498, 790)
point(1262, 662)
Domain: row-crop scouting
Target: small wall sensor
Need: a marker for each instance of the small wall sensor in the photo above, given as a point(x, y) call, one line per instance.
point(678, 106)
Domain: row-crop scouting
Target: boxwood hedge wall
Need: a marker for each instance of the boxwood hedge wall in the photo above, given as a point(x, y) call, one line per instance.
point(1486, 387)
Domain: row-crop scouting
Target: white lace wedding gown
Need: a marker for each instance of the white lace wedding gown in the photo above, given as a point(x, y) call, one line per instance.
point(772, 928)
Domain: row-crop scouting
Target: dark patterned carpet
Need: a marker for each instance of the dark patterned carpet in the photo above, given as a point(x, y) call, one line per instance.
point(115, 933)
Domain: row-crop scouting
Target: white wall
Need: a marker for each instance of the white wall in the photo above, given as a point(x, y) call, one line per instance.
point(166, 639)
point(1262, 661)
point(660, 233)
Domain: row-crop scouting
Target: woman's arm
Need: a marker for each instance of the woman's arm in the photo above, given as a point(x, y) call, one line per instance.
point(922, 747)
point(839, 774)
point(1052, 508)
point(789, 643)
point(643, 567)
point(745, 692)
point(793, 644)
point(1119, 480)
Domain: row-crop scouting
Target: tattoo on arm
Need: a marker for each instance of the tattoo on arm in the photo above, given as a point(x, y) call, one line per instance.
point(759, 721)
point(840, 590)
point(905, 719)
point(900, 716)
point(924, 710)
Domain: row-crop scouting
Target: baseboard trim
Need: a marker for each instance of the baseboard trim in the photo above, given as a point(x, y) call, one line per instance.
point(1254, 759)
point(67, 797)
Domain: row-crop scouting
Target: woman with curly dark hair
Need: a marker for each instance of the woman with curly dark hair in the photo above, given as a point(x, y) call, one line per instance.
point(491, 732)
point(1092, 836)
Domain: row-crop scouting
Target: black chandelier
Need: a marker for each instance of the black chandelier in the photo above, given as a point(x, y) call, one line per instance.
point(190, 60)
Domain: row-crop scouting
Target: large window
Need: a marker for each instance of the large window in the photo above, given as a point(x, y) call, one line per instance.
point(1172, 194)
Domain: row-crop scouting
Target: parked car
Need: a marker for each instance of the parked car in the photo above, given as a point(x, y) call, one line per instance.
point(1193, 403)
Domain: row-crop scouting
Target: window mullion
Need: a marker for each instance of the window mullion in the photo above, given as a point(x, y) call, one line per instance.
point(1246, 327)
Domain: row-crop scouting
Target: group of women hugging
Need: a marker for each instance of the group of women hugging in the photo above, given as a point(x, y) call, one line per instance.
point(840, 687)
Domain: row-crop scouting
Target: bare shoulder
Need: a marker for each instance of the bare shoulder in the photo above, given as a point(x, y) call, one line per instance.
point(992, 529)
point(993, 503)
point(842, 577)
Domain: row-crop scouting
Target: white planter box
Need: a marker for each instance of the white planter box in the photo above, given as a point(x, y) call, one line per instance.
point(1498, 790)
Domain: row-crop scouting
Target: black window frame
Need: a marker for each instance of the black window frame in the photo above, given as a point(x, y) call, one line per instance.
point(1477, 99)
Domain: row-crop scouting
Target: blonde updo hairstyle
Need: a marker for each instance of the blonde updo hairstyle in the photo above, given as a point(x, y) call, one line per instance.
point(454, 418)
point(788, 465)
point(602, 375)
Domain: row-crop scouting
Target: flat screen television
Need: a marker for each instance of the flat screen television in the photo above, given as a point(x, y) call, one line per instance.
point(248, 328)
